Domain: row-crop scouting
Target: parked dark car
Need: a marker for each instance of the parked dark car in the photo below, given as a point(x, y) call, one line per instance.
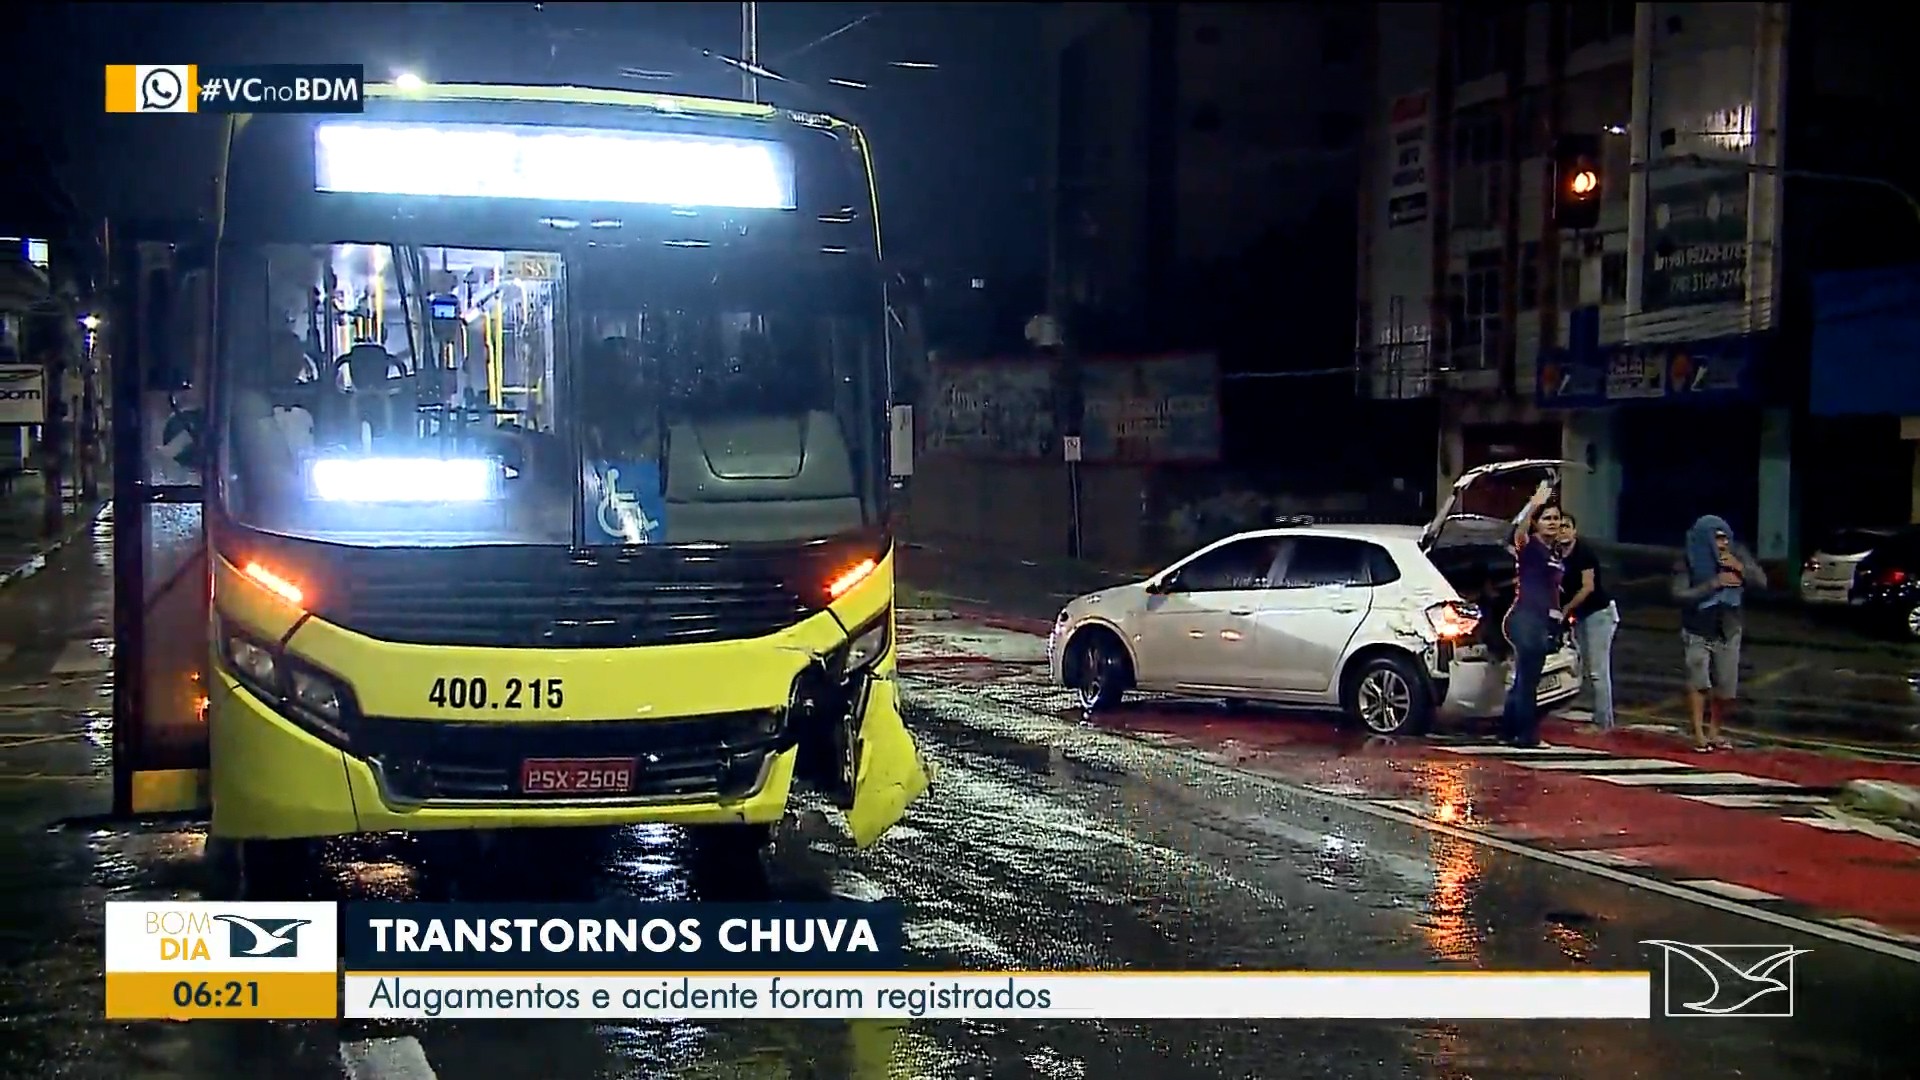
point(1886, 585)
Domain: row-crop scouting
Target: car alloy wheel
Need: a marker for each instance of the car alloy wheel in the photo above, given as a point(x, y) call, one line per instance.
point(1913, 621)
point(1100, 674)
point(1385, 701)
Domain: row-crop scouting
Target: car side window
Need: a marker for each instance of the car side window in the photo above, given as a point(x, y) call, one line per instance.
point(1381, 569)
point(1242, 564)
point(1327, 560)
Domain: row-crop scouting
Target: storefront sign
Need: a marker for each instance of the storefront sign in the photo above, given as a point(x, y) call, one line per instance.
point(1705, 372)
point(1408, 143)
point(23, 394)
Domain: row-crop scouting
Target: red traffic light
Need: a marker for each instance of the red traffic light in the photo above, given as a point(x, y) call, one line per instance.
point(1577, 181)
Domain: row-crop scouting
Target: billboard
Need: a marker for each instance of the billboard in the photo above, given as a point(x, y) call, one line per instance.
point(1152, 409)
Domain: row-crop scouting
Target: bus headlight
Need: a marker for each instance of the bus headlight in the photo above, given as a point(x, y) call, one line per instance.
point(310, 698)
point(313, 693)
point(253, 664)
point(866, 649)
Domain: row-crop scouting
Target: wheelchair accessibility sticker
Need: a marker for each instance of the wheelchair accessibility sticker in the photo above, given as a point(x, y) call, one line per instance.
point(625, 505)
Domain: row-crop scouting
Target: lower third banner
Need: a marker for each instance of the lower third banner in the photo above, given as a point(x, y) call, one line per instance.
point(1624, 995)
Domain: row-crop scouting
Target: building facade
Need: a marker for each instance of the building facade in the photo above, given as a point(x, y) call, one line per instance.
point(1189, 141)
point(1204, 168)
point(1659, 349)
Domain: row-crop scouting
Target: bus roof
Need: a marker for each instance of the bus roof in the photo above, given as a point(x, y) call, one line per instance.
point(589, 95)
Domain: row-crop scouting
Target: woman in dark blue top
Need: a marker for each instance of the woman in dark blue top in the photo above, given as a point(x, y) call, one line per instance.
point(1534, 617)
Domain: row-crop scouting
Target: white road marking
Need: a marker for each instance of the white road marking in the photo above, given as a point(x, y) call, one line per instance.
point(1034, 727)
point(1728, 889)
point(1607, 858)
point(386, 1059)
point(83, 655)
point(1498, 750)
point(1604, 765)
point(1405, 806)
point(1827, 823)
point(1351, 791)
point(1696, 779)
point(1751, 801)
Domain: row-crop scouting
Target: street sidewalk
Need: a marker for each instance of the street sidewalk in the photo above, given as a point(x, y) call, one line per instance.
point(24, 546)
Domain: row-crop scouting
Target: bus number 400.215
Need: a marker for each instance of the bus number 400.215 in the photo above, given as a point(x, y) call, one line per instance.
point(473, 693)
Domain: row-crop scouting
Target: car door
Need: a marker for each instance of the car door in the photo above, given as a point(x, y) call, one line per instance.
point(1191, 633)
point(1325, 591)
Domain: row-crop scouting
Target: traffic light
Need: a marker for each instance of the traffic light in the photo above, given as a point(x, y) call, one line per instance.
point(1576, 181)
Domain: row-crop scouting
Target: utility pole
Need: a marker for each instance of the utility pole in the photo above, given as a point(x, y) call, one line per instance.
point(750, 50)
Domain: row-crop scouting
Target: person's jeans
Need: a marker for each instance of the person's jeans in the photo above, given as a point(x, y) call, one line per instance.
point(1532, 637)
point(1593, 637)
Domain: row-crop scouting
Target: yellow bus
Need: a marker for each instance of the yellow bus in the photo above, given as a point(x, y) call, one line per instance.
point(528, 465)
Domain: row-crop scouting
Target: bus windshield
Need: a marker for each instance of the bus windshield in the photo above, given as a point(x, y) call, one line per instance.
point(398, 395)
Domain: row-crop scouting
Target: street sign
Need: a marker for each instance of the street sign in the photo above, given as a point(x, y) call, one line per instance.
point(23, 397)
point(1071, 445)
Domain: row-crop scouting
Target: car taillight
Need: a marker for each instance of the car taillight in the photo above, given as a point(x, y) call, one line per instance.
point(1893, 575)
point(1453, 620)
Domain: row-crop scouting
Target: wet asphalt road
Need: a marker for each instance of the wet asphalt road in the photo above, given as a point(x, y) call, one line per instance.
point(1045, 843)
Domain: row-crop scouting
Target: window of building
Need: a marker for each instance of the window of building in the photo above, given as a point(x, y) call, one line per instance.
point(1206, 118)
point(1591, 22)
point(1613, 277)
point(1339, 130)
point(1477, 296)
point(1481, 38)
point(1530, 127)
point(1479, 135)
point(1529, 297)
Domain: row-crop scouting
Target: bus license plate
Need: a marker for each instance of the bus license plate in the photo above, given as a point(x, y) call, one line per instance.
point(577, 776)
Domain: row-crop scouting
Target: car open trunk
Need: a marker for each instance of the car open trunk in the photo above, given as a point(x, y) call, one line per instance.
point(1469, 540)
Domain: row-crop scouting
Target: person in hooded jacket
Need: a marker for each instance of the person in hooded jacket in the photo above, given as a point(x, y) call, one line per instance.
point(1710, 583)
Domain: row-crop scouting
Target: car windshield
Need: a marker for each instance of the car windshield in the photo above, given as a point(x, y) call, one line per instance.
point(427, 396)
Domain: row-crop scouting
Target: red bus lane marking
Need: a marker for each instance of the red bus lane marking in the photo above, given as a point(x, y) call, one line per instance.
point(1836, 873)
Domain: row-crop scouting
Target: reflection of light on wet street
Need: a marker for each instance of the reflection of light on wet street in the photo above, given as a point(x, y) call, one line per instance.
point(97, 728)
point(1448, 930)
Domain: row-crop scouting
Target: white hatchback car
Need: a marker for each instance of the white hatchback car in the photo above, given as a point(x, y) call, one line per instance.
point(1391, 624)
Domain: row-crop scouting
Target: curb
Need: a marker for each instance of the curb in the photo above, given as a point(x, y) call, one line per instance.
point(37, 562)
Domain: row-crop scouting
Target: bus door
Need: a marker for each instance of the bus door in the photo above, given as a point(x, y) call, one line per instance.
point(161, 592)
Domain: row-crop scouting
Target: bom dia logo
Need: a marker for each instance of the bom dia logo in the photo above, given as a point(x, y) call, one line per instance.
point(193, 934)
